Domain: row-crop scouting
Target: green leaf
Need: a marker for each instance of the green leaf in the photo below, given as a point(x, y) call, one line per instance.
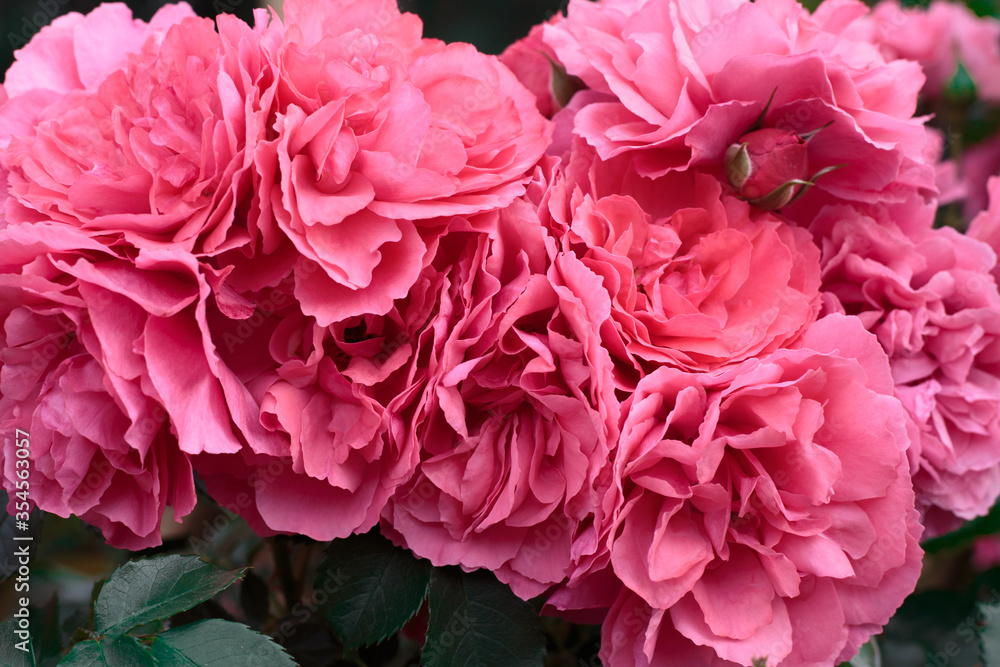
point(369, 588)
point(215, 642)
point(109, 652)
point(10, 654)
point(984, 7)
point(476, 621)
point(989, 634)
point(868, 656)
point(142, 591)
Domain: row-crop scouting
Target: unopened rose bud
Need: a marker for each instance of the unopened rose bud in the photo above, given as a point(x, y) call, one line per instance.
point(960, 89)
point(768, 167)
point(562, 85)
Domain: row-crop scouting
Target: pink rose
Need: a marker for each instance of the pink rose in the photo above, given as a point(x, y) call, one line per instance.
point(159, 151)
point(941, 38)
point(517, 414)
point(127, 160)
point(534, 64)
point(675, 88)
point(698, 279)
point(985, 227)
point(765, 510)
point(932, 303)
point(323, 394)
point(75, 52)
point(379, 135)
point(89, 369)
point(977, 165)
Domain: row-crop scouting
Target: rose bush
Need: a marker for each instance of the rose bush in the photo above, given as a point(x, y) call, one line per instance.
point(650, 316)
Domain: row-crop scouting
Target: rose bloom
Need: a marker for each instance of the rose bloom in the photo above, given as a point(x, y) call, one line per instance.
point(986, 226)
point(765, 511)
point(942, 37)
point(145, 148)
point(337, 399)
point(697, 278)
point(534, 63)
point(323, 394)
point(126, 153)
point(104, 363)
point(517, 415)
point(934, 306)
point(676, 88)
point(977, 165)
point(381, 135)
point(986, 552)
point(65, 57)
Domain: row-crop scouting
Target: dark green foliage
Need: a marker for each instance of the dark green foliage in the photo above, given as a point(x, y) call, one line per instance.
point(370, 588)
point(476, 621)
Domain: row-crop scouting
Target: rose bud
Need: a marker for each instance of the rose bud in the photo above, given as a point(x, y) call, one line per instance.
point(768, 167)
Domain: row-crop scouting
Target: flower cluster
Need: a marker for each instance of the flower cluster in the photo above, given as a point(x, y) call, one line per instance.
point(648, 316)
point(216, 238)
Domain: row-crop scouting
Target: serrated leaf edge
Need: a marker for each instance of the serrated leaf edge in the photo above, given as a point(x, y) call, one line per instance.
point(124, 631)
point(188, 626)
point(379, 640)
point(100, 647)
